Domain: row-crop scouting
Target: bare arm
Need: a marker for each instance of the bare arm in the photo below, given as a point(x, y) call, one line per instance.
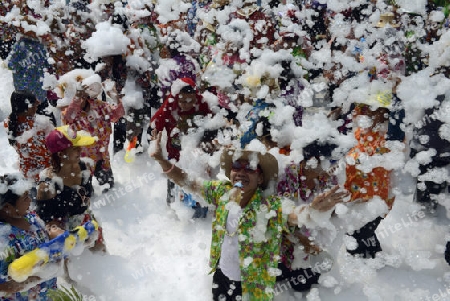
point(173, 172)
point(12, 286)
point(323, 202)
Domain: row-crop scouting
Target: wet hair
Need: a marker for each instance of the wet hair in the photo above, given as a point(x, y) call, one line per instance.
point(56, 162)
point(20, 103)
point(188, 89)
point(317, 149)
point(7, 193)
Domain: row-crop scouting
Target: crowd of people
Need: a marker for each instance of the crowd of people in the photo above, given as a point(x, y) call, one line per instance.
point(302, 104)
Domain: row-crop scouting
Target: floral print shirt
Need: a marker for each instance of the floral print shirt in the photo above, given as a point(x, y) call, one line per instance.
point(364, 186)
point(15, 243)
point(97, 121)
point(259, 232)
point(292, 185)
point(30, 146)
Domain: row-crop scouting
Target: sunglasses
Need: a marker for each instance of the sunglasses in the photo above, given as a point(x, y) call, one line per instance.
point(237, 166)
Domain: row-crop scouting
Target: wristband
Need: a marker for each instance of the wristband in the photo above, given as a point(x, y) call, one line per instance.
point(170, 169)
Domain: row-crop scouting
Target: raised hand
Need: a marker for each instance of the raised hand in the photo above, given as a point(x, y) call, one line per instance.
point(327, 200)
point(157, 153)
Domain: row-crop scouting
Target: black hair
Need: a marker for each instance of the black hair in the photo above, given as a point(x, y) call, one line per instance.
point(187, 89)
point(81, 6)
point(266, 126)
point(56, 162)
point(274, 3)
point(20, 103)
point(286, 75)
point(9, 196)
point(317, 149)
point(209, 135)
point(173, 45)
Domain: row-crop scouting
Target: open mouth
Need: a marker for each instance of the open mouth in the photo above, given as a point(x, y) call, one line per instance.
point(243, 182)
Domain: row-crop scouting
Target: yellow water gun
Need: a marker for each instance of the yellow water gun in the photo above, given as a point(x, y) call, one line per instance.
point(53, 251)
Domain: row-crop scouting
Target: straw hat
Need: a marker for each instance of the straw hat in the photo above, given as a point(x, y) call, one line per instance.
point(387, 18)
point(268, 163)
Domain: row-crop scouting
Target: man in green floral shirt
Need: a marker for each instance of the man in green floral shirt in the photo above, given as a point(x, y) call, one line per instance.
point(247, 225)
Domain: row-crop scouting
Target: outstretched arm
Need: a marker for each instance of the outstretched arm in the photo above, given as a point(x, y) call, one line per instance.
point(174, 173)
point(323, 202)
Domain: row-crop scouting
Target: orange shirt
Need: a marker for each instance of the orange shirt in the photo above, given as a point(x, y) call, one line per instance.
point(30, 146)
point(364, 186)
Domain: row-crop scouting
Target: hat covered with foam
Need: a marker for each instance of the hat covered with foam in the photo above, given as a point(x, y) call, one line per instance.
point(63, 137)
point(267, 161)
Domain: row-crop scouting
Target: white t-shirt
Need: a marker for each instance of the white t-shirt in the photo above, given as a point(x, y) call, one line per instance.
point(229, 256)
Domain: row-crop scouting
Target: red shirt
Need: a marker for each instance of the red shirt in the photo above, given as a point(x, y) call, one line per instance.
point(176, 122)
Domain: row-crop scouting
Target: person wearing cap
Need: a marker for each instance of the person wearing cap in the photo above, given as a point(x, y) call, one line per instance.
point(26, 133)
point(177, 115)
point(87, 112)
point(65, 188)
point(21, 231)
point(247, 225)
point(182, 65)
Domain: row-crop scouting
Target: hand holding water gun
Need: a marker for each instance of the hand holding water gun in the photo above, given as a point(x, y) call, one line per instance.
point(65, 244)
point(130, 154)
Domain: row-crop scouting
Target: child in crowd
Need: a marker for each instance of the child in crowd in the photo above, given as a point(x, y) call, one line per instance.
point(21, 231)
point(65, 189)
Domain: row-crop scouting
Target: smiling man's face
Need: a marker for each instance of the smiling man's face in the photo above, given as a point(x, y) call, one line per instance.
point(245, 173)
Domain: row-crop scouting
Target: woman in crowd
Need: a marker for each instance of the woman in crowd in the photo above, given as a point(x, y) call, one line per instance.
point(87, 112)
point(21, 231)
point(26, 133)
point(245, 267)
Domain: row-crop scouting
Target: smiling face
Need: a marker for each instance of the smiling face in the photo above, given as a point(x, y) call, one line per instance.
point(245, 173)
point(186, 101)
